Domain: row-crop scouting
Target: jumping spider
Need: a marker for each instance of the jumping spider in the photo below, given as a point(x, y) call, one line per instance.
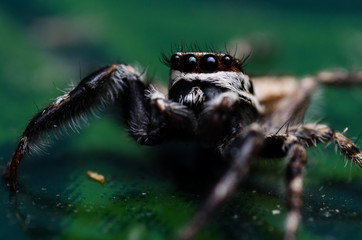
point(213, 102)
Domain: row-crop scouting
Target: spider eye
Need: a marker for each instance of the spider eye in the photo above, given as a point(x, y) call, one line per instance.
point(208, 63)
point(227, 60)
point(174, 59)
point(188, 63)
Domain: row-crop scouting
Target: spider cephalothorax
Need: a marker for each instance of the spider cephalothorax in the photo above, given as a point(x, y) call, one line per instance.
point(210, 82)
point(210, 101)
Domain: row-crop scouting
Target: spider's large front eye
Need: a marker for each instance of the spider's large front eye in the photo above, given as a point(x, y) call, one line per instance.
point(174, 60)
point(188, 63)
point(208, 63)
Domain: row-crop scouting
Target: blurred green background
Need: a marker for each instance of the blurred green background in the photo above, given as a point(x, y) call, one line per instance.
point(46, 45)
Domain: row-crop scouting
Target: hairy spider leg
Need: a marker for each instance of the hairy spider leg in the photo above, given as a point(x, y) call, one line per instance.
point(304, 136)
point(149, 116)
point(293, 145)
point(226, 114)
point(291, 109)
point(296, 160)
point(167, 118)
point(94, 91)
point(339, 78)
point(286, 98)
point(311, 134)
point(241, 151)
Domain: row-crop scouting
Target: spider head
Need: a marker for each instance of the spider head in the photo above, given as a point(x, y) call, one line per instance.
point(196, 77)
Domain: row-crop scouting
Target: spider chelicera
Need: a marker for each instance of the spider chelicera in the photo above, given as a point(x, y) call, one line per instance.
point(213, 102)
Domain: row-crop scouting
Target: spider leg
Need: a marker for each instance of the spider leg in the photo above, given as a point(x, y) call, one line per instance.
point(296, 158)
point(286, 99)
point(293, 145)
point(225, 112)
point(98, 89)
point(291, 107)
point(241, 151)
point(311, 134)
point(167, 113)
point(151, 117)
point(281, 145)
point(340, 78)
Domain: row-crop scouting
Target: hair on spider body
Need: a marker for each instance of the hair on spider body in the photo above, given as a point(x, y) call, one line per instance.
point(210, 101)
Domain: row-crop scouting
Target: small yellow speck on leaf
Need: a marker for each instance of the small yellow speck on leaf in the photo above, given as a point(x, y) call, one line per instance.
point(95, 176)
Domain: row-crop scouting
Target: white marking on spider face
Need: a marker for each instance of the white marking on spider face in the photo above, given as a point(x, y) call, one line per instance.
point(195, 96)
point(236, 82)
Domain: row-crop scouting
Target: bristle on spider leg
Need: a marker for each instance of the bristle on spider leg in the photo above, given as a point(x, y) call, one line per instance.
point(38, 148)
point(348, 148)
point(346, 162)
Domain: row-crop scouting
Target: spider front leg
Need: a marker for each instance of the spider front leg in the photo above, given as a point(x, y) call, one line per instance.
point(225, 114)
point(98, 89)
point(175, 119)
point(240, 152)
point(296, 158)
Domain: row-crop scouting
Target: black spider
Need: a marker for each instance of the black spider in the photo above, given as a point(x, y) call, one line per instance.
point(211, 101)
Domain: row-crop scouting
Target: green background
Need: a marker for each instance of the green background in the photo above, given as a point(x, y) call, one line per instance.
point(46, 45)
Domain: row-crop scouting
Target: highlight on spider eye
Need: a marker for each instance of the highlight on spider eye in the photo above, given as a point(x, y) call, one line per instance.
point(227, 60)
point(188, 63)
point(208, 63)
point(175, 59)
